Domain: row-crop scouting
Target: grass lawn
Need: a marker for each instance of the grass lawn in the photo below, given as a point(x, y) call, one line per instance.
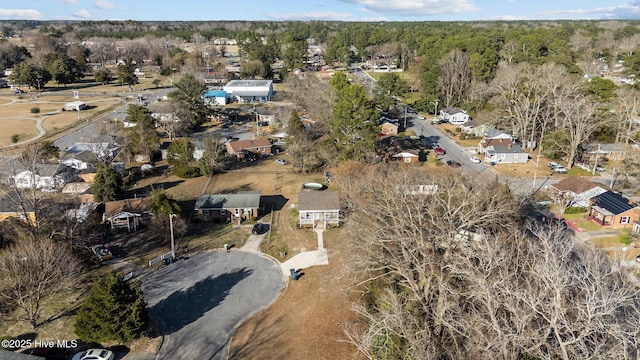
point(577, 171)
point(607, 241)
point(586, 225)
point(579, 216)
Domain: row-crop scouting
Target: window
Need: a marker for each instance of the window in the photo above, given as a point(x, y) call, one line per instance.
point(207, 213)
point(236, 212)
point(407, 159)
point(624, 220)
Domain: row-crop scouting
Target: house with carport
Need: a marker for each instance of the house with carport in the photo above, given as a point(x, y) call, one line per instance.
point(318, 208)
point(238, 207)
point(128, 214)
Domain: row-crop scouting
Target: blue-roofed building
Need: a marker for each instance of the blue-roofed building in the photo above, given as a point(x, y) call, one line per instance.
point(215, 97)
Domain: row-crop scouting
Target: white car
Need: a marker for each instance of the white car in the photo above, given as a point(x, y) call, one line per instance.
point(94, 354)
point(421, 117)
point(281, 161)
point(474, 159)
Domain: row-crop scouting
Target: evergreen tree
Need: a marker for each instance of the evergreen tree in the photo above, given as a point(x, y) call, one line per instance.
point(113, 311)
point(188, 96)
point(107, 184)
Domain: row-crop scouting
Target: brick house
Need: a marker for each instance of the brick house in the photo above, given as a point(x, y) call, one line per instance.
point(236, 207)
point(249, 149)
point(614, 210)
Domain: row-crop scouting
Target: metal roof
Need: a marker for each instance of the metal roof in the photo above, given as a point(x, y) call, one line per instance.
point(612, 203)
point(241, 200)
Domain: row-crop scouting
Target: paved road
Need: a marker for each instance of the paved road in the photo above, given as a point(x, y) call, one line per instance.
point(88, 130)
point(197, 303)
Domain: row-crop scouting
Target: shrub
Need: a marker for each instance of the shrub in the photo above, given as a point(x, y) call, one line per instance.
point(575, 210)
point(626, 239)
point(186, 171)
point(15, 138)
point(35, 110)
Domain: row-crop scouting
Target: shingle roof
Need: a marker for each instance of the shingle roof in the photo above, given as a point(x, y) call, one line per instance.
point(318, 200)
point(241, 200)
point(575, 184)
point(505, 149)
point(239, 146)
point(135, 205)
point(612, 202)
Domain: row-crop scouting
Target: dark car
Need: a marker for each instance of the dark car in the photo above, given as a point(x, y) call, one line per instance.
point(257, 229)
point(453, 163)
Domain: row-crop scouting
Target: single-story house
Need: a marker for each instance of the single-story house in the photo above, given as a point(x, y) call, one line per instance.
point(613, 209)
point(392, 148)
point(83, 160)
point(575, 190)
point(389, 128)
point(318, 208)
point(505, 154)
point(454, 116)
point(228, 207)
point(9, 209)
point(613, 152)
point(104, 146)
point(127, 213)
point(215, 97)
point(485, 143)
point(495, 134)
point(474, 128)
point(255, 148)
point(249, 90)
point(76, 188)
point(44, 175)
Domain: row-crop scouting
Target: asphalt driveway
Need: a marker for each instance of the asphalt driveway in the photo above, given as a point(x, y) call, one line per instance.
point(197, 303)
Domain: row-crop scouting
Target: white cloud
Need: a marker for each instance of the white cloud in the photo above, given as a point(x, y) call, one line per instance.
point(73, 2)
point(630, 10)
point(104, 4)
point(21, 14)
point(311, 15)
point(509, 18)
point(82, 14)
point(417, 7)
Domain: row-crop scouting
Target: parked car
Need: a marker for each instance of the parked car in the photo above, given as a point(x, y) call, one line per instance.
point(474, 159)
point(281, 161)
point(49, 189)
point(421, 117)
point(18, 91)
point(94, 354)
point(453, 163)
point(258, 228)
point(557, 167)
point(439, 151)
point(101, 252)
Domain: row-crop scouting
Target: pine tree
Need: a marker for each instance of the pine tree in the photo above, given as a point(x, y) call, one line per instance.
point(107, 184)
point(113, 311)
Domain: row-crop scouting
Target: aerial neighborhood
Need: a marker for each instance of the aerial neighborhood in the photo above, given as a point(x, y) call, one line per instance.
point(383, 190)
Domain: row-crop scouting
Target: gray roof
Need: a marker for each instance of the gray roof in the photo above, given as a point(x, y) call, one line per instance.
point(241, 200)
point(606, 147)
point(505, 149)
point(318, 200)
point(248, 83)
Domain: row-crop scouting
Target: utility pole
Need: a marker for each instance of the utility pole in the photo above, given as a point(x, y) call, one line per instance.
point(173, 246)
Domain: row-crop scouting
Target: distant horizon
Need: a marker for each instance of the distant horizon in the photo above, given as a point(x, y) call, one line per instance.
point(324, 10)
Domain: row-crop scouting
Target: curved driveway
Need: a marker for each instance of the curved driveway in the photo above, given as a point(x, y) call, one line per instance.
point(197, 303)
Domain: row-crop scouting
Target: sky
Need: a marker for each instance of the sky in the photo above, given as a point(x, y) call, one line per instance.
point(341, 10)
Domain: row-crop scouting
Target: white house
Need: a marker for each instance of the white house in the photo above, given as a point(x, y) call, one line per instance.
point(45, 175)
point(505, 154)
point(75, 106)
point(454, 116)
point(250, 90)
point(318, 208)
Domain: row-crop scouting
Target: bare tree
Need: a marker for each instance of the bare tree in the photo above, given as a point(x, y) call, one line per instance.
point(453, 269)
point(578, 120)
point(455, 77)
point(34, 271)
point(627, 109)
